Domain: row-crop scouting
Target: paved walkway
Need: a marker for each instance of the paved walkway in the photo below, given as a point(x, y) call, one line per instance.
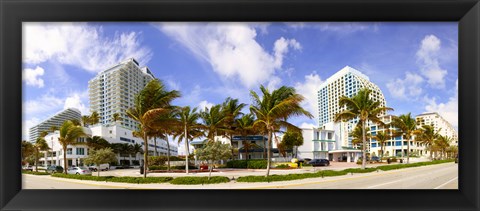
point(245, 172)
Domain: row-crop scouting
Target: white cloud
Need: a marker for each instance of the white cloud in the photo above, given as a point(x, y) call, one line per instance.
point(32, 76)
point(428, 59)
point(448, 110)
point(338, 27)
point(231, 49)
point(26, 125)
point(76, 100)
point(80, 45)
point(407, 88)
point(307, 125)
point(309, 89)
point(274, 83)
point(44, 104)
point(204, 104)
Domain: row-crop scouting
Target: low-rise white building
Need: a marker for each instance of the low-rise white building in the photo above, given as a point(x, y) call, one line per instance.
point(326, 144)
point(111, 133)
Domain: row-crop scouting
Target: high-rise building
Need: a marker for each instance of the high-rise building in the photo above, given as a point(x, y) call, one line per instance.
point(56, 120)
point(113, 91)
point(346, 82)
point(442, 126)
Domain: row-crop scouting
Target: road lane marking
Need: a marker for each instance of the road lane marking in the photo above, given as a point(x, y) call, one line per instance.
point(438, 187)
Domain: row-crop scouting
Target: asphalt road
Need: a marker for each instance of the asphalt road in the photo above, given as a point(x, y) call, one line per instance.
point(441, 176)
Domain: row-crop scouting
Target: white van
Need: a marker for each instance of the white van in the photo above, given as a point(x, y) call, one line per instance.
point(102, 167)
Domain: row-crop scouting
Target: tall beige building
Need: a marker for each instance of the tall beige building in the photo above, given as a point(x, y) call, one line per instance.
point(442, 126)
point(113, 91)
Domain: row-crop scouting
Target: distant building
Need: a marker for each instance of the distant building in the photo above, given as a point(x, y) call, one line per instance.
point(442, 126)
point(113, 91)
point(56, 120)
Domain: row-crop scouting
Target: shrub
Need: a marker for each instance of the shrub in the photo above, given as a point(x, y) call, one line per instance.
point(357, 170)
point(251, 164)
point(282, 166)
point(152, 168)
point(136, 180)
point(35, 173)
point(257, 164)
point(199, 180)
point(242, 164)
point(161, 160)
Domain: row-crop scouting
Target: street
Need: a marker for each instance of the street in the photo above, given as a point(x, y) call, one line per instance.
point(440, 176)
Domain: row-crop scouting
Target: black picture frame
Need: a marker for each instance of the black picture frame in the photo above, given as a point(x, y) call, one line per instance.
point(14, 12)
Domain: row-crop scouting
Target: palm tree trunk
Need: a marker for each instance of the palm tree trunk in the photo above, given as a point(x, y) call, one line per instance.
point(155, 144)
point(186, 150)
point(364, 141)
point(231, 144)
point(145, 155)
point(268, 152)
point(168, 155)
point(36, 159)
point(65, 164)
point(408, 150)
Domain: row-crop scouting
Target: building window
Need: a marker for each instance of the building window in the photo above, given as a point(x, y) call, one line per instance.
point(80, 151)
point(69, 151)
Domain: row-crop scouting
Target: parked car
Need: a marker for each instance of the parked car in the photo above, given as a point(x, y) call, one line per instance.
point(374, 159)
point(79, 170)
point(102, 167)
point(54, 169)
point(28, 168)
point(319, 162)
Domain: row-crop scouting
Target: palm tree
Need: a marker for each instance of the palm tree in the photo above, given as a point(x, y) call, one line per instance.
point(272, 111)
point(382, 137)
point(361, 106)
point(244, 127)
point(152, 101)
point(97, 142)
point(189, 129)
point(53, 128)
point(213, 121)
point(407, 125)
point(85, 120)
point(27, 150)
point(116, 117)
point(40, 145)
point(357, 135)
point(68, 136)
point(427, 136)
point(442, 143)
point(94, 118)
point(166, 125)
point(137, 148)
point(232, 110)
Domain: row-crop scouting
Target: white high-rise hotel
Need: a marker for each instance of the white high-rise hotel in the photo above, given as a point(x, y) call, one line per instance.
point(56, 120)
point(346, 82)
point(113, 91)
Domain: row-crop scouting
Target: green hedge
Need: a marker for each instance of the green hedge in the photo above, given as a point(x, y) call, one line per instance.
point(250, 164)
point(284, 166)
point(331, 173)
point(199, 180)
point(35, 173)
point(115, 179)
point(171, 167)
point(161, 160)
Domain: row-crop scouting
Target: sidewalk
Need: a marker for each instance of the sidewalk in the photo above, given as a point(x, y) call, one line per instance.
point(235, 173)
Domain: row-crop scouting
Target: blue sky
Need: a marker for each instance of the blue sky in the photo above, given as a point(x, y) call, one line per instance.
point(414, 64)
